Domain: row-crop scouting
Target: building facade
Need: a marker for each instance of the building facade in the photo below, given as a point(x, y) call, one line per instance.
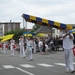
point(11, 26)
point(1, 29)
point(8, 26)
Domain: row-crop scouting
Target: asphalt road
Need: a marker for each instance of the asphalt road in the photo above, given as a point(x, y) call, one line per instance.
point(52, 64)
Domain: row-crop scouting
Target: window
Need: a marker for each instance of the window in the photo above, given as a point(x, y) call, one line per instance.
point(14, 26)
point(9, 27)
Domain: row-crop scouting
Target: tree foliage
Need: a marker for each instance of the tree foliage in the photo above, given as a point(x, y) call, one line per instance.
point(16, 32)
point(35, 27)
point(19, 32)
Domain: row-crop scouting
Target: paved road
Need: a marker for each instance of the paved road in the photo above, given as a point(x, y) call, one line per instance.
point(52, 64)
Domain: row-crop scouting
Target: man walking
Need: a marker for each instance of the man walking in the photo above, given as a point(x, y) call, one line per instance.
point(29, 49)
point(68, 45)
point(21, 44)
point(12, 41)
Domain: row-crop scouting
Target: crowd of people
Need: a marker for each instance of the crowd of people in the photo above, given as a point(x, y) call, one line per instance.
point(41, 44)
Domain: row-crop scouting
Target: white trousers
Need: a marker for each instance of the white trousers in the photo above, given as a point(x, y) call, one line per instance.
point(12, 50)
point(22, 51)
point(29, 55)
point(5, 49)
point(69, 59)
point(34, 49)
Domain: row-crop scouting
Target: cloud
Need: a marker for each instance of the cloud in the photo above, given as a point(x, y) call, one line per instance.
point(57, 10)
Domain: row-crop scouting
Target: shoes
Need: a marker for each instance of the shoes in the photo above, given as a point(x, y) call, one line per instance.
point(72, 71)
point(12, 54)
point(31, 59)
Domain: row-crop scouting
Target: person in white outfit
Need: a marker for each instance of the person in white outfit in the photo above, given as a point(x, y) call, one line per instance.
point(4, 46)
point(68, 45)
point(12, 41)
point(40, 44)
point(1, 46)
point(34, 46)
point(21, 44)
point(29, 49)
point(46, 48)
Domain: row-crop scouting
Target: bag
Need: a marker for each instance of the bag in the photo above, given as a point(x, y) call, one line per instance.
point(14, 46)
point(73, 51)
point(0, 45)
point(6, 46)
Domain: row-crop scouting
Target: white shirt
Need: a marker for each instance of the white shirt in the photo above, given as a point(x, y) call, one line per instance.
point(67, 43)
point(34, 43)
point(5, 43)
point(29, 43)
point(12, 42)
point(46, 46)
point(21, 41)
point(40, 43)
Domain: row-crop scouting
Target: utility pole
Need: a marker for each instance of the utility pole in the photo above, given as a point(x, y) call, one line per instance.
point(26, 25)
point(23, 23)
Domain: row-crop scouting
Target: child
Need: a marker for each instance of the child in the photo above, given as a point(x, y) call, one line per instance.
point(46, 48)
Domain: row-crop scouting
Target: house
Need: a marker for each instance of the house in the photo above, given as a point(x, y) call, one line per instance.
point(45, 30)
point(8, 26)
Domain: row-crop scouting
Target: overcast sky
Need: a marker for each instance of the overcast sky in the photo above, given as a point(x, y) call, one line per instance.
point(62, 11)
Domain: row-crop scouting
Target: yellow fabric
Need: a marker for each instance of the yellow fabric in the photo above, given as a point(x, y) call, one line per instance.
point(73, 32)
point(33, 18)
point(69, 26)
point(7, 37)
point(45, 21)
point(57, 24)
point(1, 37)
point(40, 35)
point(28, 35)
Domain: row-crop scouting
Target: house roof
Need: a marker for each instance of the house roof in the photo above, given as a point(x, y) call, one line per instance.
point(44, 29)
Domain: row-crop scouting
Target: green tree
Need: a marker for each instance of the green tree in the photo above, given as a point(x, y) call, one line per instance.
point(35, 27)
point(16, 32)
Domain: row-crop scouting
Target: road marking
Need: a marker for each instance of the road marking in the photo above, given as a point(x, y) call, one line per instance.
point(8, 66)
point(29, 73)
point(27, 66)
point(45, 65)
point(61, 64)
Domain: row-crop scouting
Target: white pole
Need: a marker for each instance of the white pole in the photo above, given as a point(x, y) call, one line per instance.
point(23, 22)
